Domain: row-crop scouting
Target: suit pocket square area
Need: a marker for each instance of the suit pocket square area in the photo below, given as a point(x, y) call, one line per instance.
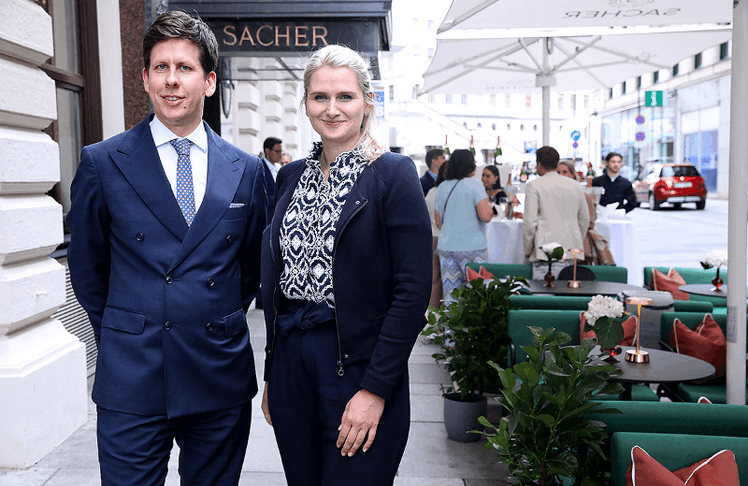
point(236, 205)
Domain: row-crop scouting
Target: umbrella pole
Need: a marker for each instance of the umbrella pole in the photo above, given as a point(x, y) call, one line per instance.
point(546, 80)
point(738, 208)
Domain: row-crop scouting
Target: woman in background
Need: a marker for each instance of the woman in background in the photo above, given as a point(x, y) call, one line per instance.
point(596, 247)
point(461, 213)
point(437, 293)
point(492, 184)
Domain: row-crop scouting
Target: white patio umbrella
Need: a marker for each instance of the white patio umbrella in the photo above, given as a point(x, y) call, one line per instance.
point(508, 14)
point(567, 62)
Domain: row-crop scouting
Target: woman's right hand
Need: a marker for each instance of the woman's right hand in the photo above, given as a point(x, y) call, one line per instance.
point(265, 410)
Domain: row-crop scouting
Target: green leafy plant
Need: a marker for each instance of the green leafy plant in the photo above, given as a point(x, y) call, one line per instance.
point(545, 435)
point(472, 331)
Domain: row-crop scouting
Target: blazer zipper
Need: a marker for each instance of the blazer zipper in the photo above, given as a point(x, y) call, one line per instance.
point(335, 313)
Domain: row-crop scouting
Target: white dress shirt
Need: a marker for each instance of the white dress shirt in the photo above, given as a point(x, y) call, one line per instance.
point(168, 155)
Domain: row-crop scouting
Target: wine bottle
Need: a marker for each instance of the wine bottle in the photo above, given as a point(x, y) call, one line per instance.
point(472, 146)
point(590, 172)
point(523, 173)
point(446, 145)
point(497, 154)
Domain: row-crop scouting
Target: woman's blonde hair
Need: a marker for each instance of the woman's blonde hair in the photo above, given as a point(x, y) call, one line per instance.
point(337, 56)
point(570, 165)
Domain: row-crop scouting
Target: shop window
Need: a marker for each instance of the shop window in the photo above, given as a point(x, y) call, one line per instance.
point(724, 52)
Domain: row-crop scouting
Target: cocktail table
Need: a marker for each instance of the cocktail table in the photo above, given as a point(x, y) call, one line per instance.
point(704, 289)
point(587, 287)
point(663, 367)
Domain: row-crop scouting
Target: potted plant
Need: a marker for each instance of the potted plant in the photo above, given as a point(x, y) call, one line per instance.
point(545, 436)
point(471, 331)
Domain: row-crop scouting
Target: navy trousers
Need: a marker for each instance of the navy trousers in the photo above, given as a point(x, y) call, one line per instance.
point(134, 449)
point(307, 398)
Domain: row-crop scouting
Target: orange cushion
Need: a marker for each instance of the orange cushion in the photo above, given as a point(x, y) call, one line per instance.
point(707, 342)
point(482, 273)
point(669, 283)
point(629, 330)
point(719, 470)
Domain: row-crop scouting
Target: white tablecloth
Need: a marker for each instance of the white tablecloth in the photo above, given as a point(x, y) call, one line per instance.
point(504, 240)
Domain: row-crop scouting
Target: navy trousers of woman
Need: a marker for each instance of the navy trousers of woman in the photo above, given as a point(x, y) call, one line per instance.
point(307, 398)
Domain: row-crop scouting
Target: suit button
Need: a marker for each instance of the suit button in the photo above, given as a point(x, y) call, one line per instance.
point(167, 325)
point(140, 237)
point(169, 280)
point(209, 327)
point(211, 282)
point(228, 239)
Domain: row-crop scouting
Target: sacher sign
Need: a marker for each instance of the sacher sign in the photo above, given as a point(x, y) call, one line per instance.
point(303, 35)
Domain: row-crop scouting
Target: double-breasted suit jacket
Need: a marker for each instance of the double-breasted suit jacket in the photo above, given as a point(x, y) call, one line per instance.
point(167, 301)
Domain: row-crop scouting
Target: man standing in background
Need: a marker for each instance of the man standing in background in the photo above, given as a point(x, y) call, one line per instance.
point(434, 159)
point(616, 189)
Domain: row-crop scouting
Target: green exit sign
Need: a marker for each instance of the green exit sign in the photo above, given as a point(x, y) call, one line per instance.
point(654, 98)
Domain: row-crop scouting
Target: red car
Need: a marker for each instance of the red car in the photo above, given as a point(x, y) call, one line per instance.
point(671, 183)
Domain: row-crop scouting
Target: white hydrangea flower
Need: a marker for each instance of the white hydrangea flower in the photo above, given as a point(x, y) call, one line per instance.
point(717, 258)
point(549, 247)
point(603, 306)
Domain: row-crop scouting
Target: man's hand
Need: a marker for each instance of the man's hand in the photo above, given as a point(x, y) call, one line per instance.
point(265, 410)
point(359, 422)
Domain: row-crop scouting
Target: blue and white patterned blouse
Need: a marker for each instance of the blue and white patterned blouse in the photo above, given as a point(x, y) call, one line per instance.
point(307, 232)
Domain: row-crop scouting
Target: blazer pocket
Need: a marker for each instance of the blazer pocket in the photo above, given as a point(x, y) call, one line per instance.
point(235, 213)
point(235, 324)
point(123, 320)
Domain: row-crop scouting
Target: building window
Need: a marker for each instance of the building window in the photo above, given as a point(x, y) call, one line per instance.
point(560, 101)
point(430, 24)
point(416, 90)
point(586, 101)
point(639, 82)
point(697, 61)
point(528, 101)
point(535, 128)
point(493, 126)
point(724, 51)
point(480, 125)
point(432, 98)
point(493, 100)
point(675, 70)
point(449, 99)
point(624, 87)
point(508, 127)
point(507, 101)
point(610, 93)
point(415, 22)
point(464, 99)
point(656, 77)
point(521, 128)
point(75, 70)
point(573, 102)
point(392, 93)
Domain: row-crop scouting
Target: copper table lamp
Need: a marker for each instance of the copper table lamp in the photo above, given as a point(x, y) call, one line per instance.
point(638, 356)
point(574, 283)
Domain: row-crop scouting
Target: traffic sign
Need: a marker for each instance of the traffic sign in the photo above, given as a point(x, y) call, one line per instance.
point(639, 120)
point(575, 145)
point(654, 98)
point(639, 136)
point(575, 135)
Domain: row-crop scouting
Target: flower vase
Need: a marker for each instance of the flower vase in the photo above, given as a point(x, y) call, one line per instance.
point(549, 277)
point(717, 282)
point(612, 353)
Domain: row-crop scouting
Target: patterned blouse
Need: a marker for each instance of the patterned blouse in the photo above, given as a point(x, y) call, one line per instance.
point(307, 232)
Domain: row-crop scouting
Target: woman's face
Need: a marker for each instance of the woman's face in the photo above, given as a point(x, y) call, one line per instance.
point(488, 179)
point(564, 171)
point(336, 106)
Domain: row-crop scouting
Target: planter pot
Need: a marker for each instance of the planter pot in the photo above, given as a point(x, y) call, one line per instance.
point(460, 417)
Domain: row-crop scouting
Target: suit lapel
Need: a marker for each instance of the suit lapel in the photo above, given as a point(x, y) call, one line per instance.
point(225, 170)
point(139, 162)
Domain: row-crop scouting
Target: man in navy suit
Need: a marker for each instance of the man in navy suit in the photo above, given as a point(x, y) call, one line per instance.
point(272, 150)
point(434, 159)
point(166, 222)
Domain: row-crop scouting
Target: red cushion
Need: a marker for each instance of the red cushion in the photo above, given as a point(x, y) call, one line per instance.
point(707, 342)
point(719, 470)
point(669, 283)
point(629, 330)
point(482, 273)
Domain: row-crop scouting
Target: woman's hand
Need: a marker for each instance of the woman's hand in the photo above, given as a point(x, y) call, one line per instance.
point(360, 419)
point(265, 410)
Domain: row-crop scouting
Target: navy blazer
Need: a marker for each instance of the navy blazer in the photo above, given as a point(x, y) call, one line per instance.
point(167, 301)
point(427, 182)
point(381, 269)
point(269, 190)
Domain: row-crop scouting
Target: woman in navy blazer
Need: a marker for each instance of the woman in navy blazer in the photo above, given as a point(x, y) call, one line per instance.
point(346, 278)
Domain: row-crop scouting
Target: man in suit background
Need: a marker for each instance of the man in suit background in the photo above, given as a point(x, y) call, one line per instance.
point(166, 222)
point(272, 150)
point(555, 211)
point(434, 159)
point(616, 189)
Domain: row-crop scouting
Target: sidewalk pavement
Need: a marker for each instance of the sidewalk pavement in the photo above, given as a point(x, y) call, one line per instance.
point(431, 459)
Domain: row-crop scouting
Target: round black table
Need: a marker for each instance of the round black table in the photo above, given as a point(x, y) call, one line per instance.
point(663, 367)
point(587, 287)
point(704, 289)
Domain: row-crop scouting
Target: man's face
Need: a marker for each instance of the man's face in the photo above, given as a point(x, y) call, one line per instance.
point(177, 85)
point(274, 154)
point(437, 162)
point(614, 165)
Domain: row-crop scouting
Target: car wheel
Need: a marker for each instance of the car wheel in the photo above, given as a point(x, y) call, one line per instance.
point(701, 204)
point(653, 204)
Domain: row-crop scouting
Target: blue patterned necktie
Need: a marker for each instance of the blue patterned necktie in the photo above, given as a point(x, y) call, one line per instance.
point(185, 188)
